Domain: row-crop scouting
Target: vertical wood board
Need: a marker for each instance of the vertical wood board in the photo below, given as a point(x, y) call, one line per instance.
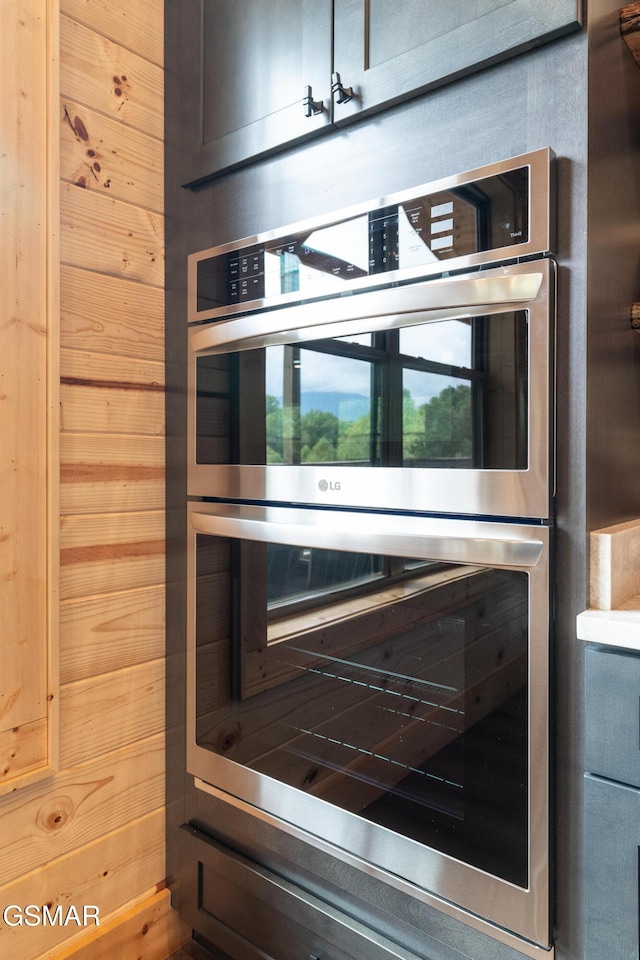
point(25, 210)
point(22, 750)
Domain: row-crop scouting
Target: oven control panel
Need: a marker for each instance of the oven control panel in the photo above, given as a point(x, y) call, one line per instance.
point(499, 213)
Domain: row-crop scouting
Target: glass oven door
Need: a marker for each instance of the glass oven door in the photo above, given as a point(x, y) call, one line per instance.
point(435, 396)
point(381, 684)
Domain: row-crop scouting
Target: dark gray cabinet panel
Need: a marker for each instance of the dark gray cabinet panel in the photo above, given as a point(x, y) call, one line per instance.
point(247, 75)
point(258, 76)
point(612, 842)
point(253, 914)
point(612, 717)
point(389, 52)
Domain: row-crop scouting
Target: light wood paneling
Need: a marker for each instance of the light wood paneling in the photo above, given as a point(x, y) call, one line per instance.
point(104, 409)
point(110, 872)
point(49, 820)
point(91, 448)
point(137, 26)
point(104, 633)
point(103, 155)
point(81, 579)
point(111, 490)
point(150, 930)
point(106, 713)
point(109, 315)
point(109, 78)
point(93, 536)
point(111, 473)
point(109, 236)
point(22, 750)
point(93, 833)
point(81, 367)
point(28, 341)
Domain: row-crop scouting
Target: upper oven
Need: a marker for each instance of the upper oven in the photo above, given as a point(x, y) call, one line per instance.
point(398, 355)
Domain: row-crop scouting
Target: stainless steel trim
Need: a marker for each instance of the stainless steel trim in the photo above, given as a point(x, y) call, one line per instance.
point(517, 493)
point(454, 541)
point(478, 923)
point(396, 859)
point(541, 234)
point(494, 291)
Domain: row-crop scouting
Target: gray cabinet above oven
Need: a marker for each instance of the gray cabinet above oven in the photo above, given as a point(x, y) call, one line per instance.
point(263, 77)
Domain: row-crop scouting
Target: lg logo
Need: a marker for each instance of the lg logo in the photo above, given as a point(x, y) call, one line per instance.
point(325, 485)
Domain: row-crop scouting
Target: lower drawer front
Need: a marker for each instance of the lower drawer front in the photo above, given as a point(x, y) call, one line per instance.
point(252, 914)
point(612, 847)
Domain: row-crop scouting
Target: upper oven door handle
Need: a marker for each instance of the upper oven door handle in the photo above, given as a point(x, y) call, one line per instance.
point(454, 541)
point(492, 291)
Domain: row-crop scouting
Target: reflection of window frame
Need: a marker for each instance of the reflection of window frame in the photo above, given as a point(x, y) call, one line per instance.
point(386, 396)
point(499, 375)
point(392, 570)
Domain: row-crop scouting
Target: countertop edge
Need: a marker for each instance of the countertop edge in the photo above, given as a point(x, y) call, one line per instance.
point(616, 628)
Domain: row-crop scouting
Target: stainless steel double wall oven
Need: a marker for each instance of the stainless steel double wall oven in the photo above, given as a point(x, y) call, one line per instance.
point(370, 485)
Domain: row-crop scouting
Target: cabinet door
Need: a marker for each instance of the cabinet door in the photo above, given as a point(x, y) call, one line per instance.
point(612, 855)
point(388, 52)
point(248, 66)
point(612, 714)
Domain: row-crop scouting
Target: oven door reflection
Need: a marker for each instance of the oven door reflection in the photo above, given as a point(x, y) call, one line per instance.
point(393, 686)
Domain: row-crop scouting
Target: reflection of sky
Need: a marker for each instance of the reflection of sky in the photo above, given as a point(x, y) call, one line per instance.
point(339, 244)
point(412, 249)
point(447, 342)
point(348, 241)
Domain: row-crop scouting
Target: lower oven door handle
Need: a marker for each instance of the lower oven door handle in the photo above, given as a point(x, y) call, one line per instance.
point(454, 541)
point(495, 291)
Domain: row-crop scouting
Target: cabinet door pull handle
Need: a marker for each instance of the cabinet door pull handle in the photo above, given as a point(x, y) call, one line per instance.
point(311, 107)
point(342, 94)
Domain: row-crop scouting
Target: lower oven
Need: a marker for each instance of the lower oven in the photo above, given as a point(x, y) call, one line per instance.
point(378, 684)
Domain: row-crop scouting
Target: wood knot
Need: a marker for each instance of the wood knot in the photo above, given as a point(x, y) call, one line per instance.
point(55, 814)
point(228, 736)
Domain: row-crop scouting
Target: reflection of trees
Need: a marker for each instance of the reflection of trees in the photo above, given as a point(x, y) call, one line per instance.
point(440, 428)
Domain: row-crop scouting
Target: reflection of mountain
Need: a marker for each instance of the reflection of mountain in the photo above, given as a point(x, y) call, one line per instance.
point(345, 406)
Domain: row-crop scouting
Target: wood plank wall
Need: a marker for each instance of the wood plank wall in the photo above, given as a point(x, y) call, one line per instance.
point(94, 834)
point(28, 500)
